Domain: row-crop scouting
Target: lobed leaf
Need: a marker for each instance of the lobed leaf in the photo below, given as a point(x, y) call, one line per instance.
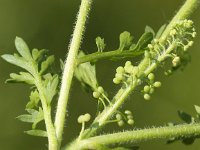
point(34, 99)
point(125, 39)
point(100, 44)
point(86, 74)
point(51, 84)
point(38, 54)
point(22, 48)
point(46, 64)
point(23, 77)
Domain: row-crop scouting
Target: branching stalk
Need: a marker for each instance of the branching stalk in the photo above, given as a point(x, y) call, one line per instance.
point(69, 67)
point(123, 93)
point(115, 54)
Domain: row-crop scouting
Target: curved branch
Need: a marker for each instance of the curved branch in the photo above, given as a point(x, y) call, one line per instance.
point(112, 55)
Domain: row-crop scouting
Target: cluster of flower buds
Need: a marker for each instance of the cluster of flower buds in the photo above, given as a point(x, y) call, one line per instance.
point(101, 95)
point(149, 89)
point(181, 35)
point(125, 74)
point(121, 118)
point(84, 118)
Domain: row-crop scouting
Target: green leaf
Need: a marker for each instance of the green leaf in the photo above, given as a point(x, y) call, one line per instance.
point(160, 31)
point(125, 39)
point(149, 29)
point(26, 118)
point(22, 48)
point(34, 117)
point(144, 40)
point(86, 74)
point(46, 64)
point(51, 84)
point(100, 44)
point(40, 133)
point(38, 54)
point(23, 77)
point(16, 60)
point(186, 117)
point(34, 99)
point(197, 108)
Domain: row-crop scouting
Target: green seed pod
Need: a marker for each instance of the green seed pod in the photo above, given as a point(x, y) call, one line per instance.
point(130, 121)
point(130, 116)
point(129, 69)
point(128, 63)
point(146, 89)
point(80, 119)
point(151, 91)
point(100, 89)
point(119, 76)
point(87, 117)
point(128, 112)
point(120, 123)
point(157, 84)
point(118, 117)
point(151, 77)
point(147, 97)
point(116, 81)
point(96, 94)
point(120, 69)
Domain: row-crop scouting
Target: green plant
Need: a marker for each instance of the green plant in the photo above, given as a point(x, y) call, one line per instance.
point(170, 43)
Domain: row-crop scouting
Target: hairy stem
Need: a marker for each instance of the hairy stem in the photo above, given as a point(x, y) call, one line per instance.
point(70, 67)
point(51, 133)
point(115, 54)
point(136, 136)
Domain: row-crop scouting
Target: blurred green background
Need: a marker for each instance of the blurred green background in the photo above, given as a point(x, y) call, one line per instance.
point(48, 24)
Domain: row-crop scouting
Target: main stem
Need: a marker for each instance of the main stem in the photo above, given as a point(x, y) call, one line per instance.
point(69, 67)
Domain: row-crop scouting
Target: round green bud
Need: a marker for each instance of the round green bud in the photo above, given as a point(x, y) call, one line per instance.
point(118, 117)
point(87, 117)
point(120, 69)
point(116, 81)
point(194, 34)
point(173, 32)
point(155, 40)
point(96, 94)
point(151, 91)
point(130, 122)
point(119, 76)
point(120, 123)
point(151, 76)
point(80, 119)
point(147, 97)
point(176, 61)
point(139, 81)
point(150, 46)
point(128, 112)
point(100, 89)
point(157, 84)
point(128, 63)
point(129, 69)
point(185, 47)
point(190, 43)
point(146, 89)
point(130, 116)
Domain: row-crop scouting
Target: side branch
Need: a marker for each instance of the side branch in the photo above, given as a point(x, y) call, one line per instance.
point(112, 55)
point(136, 136)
